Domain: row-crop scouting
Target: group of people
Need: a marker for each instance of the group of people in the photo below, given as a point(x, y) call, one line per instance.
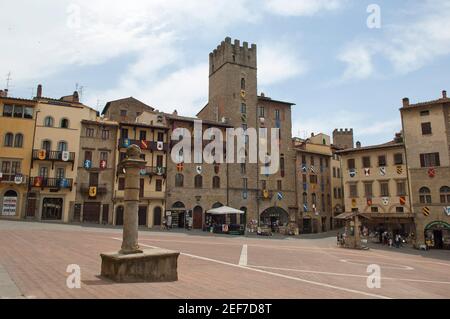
point(388, 239)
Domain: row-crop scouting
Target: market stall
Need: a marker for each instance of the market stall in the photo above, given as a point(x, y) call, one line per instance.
point(219, 220)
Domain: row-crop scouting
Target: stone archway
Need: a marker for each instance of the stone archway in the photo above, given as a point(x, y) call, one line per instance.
point(10, 203)
point(274, 217)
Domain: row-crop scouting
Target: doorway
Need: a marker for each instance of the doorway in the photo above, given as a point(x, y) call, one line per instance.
point(119, 216)
point(52, 208)
point(91, 212)
point(142, 216)
point(157, 216)
point(438, 239)
point(198, 218)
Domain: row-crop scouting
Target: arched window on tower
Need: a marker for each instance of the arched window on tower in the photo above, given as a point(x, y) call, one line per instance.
point(425, 195)
point(242, 84)
point(445, 194)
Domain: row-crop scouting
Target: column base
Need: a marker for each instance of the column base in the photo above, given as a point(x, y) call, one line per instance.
point(152, 265)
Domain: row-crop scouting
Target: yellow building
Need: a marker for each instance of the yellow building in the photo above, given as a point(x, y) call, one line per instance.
point(53, 177)
point(17, 124)
point(376, 185)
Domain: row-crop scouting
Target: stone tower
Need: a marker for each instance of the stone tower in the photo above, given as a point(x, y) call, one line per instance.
point(343, 138)
point(233, 92)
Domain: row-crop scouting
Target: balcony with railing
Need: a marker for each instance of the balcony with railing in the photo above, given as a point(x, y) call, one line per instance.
point(53, 156)
point(50, 182)
point(8, 178)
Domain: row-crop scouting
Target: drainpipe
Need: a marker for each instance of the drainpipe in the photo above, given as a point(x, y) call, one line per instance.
point(29, 171)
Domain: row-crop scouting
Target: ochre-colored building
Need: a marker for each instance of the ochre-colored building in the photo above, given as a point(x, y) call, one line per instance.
point(426, 128)
point(376, 184)
point(55, 153)
point(17, 123)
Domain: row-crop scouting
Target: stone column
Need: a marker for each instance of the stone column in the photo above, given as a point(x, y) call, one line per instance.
point(132, 165)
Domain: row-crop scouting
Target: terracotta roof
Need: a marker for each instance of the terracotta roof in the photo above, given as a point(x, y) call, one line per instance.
point(105, 109)
point(427, 103)
point(391, 144)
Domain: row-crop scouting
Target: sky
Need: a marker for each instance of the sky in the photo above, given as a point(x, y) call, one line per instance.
point(319, 54)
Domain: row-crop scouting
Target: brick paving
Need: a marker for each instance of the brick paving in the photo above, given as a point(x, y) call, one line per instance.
point(34, 256)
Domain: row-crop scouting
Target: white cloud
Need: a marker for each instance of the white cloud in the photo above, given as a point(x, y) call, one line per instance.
point(407, 47)
point(51, 37)
point(359, 62)
point(302, 7)
point(279, 61)
point(184, 90)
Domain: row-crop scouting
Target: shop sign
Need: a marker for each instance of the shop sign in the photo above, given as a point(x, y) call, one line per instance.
point(9, 206)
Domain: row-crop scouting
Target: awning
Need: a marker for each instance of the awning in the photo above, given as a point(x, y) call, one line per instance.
point(224, 210)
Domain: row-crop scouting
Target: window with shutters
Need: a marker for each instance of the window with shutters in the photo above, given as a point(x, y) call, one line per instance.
point(366, 161)
point(429, 160)
point(382, 160)
point(426, 128)
point(353, 190)
point(368, 189)
point(401, 188)
point(398, 159)
point(384, 189)
point(425, 195)
point(351, 163)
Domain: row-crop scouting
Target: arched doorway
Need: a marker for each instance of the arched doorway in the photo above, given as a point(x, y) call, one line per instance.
point(10, 203)
point(178, 216)
point(119, 216)
point(198, 217)
point(274, 217)
point(157, 212)
point(437, 234)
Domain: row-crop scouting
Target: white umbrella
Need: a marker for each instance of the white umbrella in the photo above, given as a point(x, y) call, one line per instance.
point(224, 210)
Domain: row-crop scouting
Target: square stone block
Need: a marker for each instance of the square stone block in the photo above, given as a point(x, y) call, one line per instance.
point(152, 265)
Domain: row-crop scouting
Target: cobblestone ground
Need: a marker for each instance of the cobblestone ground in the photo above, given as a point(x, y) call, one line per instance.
point(34, 258)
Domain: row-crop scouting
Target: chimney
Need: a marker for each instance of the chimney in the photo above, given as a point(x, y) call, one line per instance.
point(175, 112)
point(39, 91)
point(76, 98)
point(262, 94)
point(358, 144)
point(312, 134)
point(5, 93)
point(444, 94)
point(405, 102)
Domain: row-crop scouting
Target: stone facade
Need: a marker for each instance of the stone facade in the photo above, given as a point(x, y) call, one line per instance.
point(426, 127)
point(96, 172)
point(313, 162)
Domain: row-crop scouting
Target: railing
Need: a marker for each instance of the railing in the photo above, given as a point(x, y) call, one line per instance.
point(13, 178)
point(45, 155)
point(101, 188)
point(50, 182)
point(144, 145)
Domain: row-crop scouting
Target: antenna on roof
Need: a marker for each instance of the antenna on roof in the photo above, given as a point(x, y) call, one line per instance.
point(8, 80)
point(79, 89)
